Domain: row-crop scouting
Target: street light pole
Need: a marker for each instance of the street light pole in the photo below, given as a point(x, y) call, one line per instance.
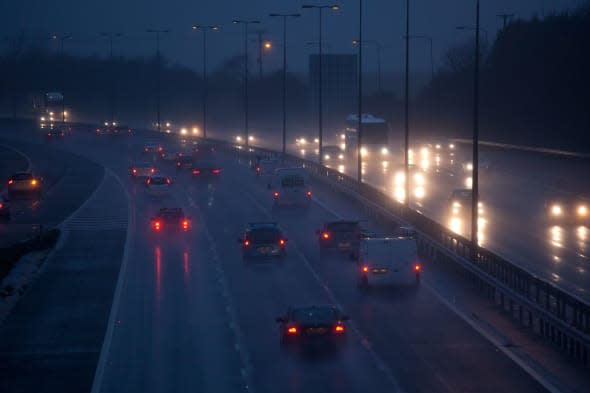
point(246, 23)
point(359, 133)
point(205, 77)
point(157, 32)
point(475, 177)
point(406, 110)
point(284, 17)
point(110, 37)
point(320, 8)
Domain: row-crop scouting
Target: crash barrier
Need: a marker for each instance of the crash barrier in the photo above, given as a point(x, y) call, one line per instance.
point(41, 240)
point(557, 316)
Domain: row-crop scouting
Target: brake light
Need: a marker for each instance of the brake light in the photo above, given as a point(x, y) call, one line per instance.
point(157, 225)
point(168, 180)
point(365, 269)
point(309, 194)
point(257, 169)
point(34, 182)
point(146, 149)
point(1, 205)
point(10, 181)
point(185, 224)
point(217, 171)
point(134, 171)
point(148, 181)
point(196, 172)
point(178, 164)
point(49, 134)
point(246, 243)
point(276, 195)
point(152, 170)
point(339, 329)
point(282, 242)
point(292, 330)
point(326, 235)
point(417, 268)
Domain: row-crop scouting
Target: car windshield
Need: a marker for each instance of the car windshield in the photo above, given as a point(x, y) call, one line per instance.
point(315, 315)
point(264, 235)
point(342, 226)
point(22, 176)
point(292, 181)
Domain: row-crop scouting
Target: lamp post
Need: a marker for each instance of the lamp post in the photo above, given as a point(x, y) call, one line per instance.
point(406, 111)
point(359, 132)
point(157, 32)
point(284, 17)
point(110, 37)
point(204, 29)
point(246, 23)
point(379, 49)
point(475, 174)
point(320, 8)
point(63, 77)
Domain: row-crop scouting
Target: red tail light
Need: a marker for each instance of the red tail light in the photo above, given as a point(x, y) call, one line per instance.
point(10, 181)
point(148, 181)
point(417, 268)
point(134, 171)
point(325, 235)
point(339, 329)
point(157, 225)
point(309, 194)
point(216, 171)
point(257, 169)
point(292, 330)
point(185, 224)
point(168, 181)
point(365, 269)
point(196, 172)
point(1, 205)
point(146, 149)
point(282, 242)
point(49, 134)
point(178, 164)
point(246, 243)
point(275, 195)
point(152, 170)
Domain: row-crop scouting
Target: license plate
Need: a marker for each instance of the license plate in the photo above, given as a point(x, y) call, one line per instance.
point(379, 271)
point(264, 250)
point(344, 244)
point(316, 330)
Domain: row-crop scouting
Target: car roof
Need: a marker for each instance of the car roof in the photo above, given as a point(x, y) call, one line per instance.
point(263, 225)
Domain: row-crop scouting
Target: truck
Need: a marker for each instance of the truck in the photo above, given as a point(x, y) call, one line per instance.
point(388, 259)
point(290, 186)
point(375, 135)
point(53, 110)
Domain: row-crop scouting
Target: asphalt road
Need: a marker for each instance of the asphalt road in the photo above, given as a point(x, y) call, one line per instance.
point(192, 315)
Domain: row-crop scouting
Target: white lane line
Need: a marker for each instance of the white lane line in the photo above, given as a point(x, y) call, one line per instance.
point(29, 162)
point(381, 365)
point(495, 342)
point(106, 344)
point(488, 336)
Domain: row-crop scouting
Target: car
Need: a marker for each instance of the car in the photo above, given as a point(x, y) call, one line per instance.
point(54, 133)
point(169, 155)
point(389, 259)
point(314, 324)
point(185, 162)
point(158, 185)
point(263, 239)
point(106, 129)
point(4, 208)
point(171, 220)
point(153, 148)
point(205, 169)
point(567, 209)
point(341, 235)
point(24, 183)
point(459, 203)
point(204, 149)
point(121, 129)
point(290, 186)
point(65, 128)
point(142, 170)
point(332, 153)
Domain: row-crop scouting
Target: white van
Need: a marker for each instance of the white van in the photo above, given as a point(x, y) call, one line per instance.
point(291, 187)
point(388, 259)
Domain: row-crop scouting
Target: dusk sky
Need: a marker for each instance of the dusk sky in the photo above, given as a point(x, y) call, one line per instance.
point(384, 21)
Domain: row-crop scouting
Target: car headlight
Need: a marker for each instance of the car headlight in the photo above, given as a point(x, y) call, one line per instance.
point(582, 211)
point(556, 210)
point(456, 204)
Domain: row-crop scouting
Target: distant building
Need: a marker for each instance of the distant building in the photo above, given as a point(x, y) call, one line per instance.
point(339, 84)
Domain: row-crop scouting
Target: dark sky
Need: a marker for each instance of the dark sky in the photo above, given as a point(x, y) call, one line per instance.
point(384, 21)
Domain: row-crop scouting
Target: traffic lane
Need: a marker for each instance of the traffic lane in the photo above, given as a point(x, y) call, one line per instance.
point(171, 332)
point(419, 374)
point(263, 290)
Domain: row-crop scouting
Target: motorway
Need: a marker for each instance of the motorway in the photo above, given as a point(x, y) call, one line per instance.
point(189, 314)
point(514, 189)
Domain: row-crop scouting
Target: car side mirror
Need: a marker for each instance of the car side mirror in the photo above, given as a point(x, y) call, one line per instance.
point(345, 318)
point(281, 319)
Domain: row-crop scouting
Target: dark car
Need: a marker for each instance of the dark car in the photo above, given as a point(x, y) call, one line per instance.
point(206, 169)
point(54, 133)
point(312, 324)
point(24, 183)
point(184, 162)
point(4, 208)
point(263, 239)
point(342, 235)
point(170, 219)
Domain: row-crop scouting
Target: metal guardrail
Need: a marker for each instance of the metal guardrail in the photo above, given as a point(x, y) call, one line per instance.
point(557, 316)
point(507, 146)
